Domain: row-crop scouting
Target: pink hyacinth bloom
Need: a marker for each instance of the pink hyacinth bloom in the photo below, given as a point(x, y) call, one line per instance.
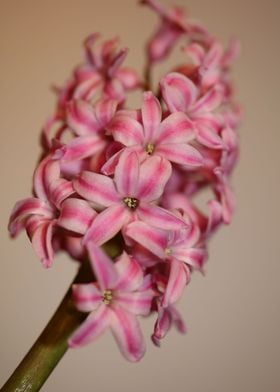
point(151, 136)
point(130, 195)
point(167, 317)
point(103, 73)
point(50, 209)
point(182, 95)
point(88, 123)
point(114, 301)
point(180, 249)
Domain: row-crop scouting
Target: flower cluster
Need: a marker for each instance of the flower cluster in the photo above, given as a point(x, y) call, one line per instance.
point(109, 173)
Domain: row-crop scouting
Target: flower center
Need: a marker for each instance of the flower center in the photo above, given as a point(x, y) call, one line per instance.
point(107, 297)
point(149, 148)
point(168, 251)
point(131, 202)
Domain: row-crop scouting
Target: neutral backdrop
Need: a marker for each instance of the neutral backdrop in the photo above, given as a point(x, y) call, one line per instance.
point(233, 313)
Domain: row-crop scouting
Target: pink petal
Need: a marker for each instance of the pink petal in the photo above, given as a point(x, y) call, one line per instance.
point(126, 130)
point(96, 188)
point(47, 171)
point(194, 257)
point(159, 217)
point(128, 78)
point(105, 110)
point(183, 154)
point(86, 90)
point(117, 61)
point(103, 267)
point(176, 282)
point(42, 243)
point(93, 327)
point(215, 216)
point(127, 173)
point(87, 297)
point(195, 52)
point(208, 137)
point(154, 174)
point(178, 92)
point(107, 224)
point(60, 190)
point(151, 115)
point(138, 303)
point(208, 102)
point(23, 209)
point(127, 333)
point(81, 118)
point(130, 273)
point(81, 147)
point(76, 215)
point(163, 42)
point(152, 239)
point(176, 128)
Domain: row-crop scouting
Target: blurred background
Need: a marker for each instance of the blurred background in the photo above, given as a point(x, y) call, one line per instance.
point(232, 313)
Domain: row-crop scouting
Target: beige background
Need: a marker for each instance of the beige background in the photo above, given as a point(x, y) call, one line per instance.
point(232, 313)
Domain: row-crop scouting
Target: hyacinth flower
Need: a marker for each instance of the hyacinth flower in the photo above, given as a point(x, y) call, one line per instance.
point(114, 301)
point(115, 188)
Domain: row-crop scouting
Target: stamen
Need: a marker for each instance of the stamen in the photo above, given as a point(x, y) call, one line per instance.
point(168, 251)
point(131, 202)
point(149, 148)
point(107, 297)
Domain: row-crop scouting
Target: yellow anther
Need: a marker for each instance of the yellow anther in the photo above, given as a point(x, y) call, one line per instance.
point(131, 202)
point(149, 148)
point(107, 297)
point(168, 251)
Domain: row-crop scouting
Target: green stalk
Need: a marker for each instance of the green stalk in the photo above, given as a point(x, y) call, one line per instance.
point(51, 345)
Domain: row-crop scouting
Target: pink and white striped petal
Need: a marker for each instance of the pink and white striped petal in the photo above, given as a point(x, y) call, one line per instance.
point(107, 224)
point(138, 303)
point(154, 174)
point(81, 147)
point(208, 137)
point(87, 297)
point(126, 130)
point(96, 188)
point(151, 115)
point(127, 333)
point(178, 91)
point(127, 173)
point(130, 273)
point(159, 217)
point(25, 208)
point(183, 154)
point(176, 128)
point(59, 190)
point(103, 267)
point(128, 78)
point(105, 110)
point(208, 102)
point(154, 240)
point(81, 118)
point(42, 243)
point(92, 327)
point(195, 257)
point(76, 215)
point(178, 278)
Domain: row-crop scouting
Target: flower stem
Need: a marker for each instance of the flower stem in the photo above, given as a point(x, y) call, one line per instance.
point(50, 347)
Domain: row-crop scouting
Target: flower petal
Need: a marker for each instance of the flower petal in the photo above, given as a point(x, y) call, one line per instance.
point(176, 282)
point(127, 174)
point(154, 174)
point(159, 217)
point(127, 333)
point(96, 188)
point(176, 128)
point(91, 328)
point(42, 243)
point(151, 115)
point(126, 130)
point(130, 273)
point(184, 154)
point(105, 110)
point(208, 136)
point(81, 118)
point(103, 267)
point(87, 297)
point(107, 224)
point(76, 215)
point(138, 303)
point(152, 239)
point(81, 147)
point(178, 91)
point(208, 102)
point(59, 190)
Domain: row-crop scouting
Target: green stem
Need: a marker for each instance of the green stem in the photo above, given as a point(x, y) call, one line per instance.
point(51, 345)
